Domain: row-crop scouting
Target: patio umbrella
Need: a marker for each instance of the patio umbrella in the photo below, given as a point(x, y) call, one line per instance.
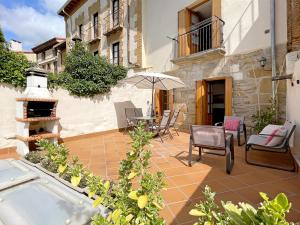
point(151, 80)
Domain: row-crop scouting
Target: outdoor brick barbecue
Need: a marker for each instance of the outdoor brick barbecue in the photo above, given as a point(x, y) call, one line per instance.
point(35, 112)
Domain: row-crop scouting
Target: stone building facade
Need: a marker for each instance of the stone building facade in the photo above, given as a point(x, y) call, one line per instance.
point(110, 28)
point(251, 86)
point(50, 55)
point(217, 41)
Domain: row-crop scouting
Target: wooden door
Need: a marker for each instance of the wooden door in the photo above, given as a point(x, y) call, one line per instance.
point(202, 117)
point(163, 100)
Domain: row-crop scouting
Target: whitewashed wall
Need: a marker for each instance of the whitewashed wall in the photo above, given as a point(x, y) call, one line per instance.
point(78, 115)
point(293, 110)
point(244, 30)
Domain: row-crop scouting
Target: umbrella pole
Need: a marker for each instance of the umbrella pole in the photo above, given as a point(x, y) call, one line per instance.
point(152, 110)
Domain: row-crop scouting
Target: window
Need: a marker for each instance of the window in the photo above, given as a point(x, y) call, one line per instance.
point(43, 55)
point(115, 12)
point(54, 52)
point(95, 25)
point(55, 66)
point(48, 67)
point(80, 31)
point(115, 53)
point(96, 53)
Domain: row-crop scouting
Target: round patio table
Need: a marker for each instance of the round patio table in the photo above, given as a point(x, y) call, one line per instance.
point(147, 119)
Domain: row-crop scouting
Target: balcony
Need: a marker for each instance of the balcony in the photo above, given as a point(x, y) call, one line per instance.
point(203, 38)
point(113, 22)
point(89, 35)
point(93, 33)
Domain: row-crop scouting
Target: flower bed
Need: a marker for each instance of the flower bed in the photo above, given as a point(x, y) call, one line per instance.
point(128, 204)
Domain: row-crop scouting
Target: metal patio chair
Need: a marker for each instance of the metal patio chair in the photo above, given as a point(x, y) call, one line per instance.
point(163, 127)
point(173, 120)
point(240, 131)
point(257, 143)
point(138, 112)
point(212, 138)
point(130, 114)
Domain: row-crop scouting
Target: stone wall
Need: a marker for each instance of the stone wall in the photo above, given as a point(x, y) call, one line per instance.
point(252, 85)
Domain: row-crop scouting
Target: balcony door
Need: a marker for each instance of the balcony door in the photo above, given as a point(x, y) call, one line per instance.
point(196, 29)
point(116, 12)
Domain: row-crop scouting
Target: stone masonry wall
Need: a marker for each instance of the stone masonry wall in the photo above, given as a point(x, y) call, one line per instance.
point(252, 85)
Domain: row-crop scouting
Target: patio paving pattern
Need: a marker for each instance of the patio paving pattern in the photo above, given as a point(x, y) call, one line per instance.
point(103, 153)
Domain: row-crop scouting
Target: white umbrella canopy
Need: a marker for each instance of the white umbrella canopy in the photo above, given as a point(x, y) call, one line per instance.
point(151, 80)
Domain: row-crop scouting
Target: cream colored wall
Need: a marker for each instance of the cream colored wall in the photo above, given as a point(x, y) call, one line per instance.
point(78, 115)
point(292, 110)
point(245, 24)
point(8, 95)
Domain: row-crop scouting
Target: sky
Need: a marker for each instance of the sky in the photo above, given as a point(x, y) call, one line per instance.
point(31, 21)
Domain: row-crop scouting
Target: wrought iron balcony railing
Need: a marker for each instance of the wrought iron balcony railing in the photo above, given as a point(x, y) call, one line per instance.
point(203, 36)
point(90, 34)
point(114, 21)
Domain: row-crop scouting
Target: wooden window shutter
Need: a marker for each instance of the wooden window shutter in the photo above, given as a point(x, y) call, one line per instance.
point(216, 26)
point(201, 102)
point(158, 104)
point(184, 24)
point(228, 96)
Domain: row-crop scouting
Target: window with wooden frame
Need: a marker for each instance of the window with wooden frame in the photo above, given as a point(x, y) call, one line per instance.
point(116, 12)
point(116, 53)
point(95, 25)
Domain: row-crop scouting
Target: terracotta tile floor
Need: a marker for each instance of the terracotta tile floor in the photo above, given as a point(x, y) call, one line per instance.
point(102, 155)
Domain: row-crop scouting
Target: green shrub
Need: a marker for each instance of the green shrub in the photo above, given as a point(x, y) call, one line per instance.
point(139, 204)
point(264, 117)
point(34, 156)
point(12, 67)
point(86, 74)
point(56, 156)
point(271, 212)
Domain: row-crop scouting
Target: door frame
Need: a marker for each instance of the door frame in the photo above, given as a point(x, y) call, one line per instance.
point(201, 117)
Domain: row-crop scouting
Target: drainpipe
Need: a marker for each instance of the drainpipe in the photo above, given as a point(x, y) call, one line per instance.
point(273, 47)
point(128, 33)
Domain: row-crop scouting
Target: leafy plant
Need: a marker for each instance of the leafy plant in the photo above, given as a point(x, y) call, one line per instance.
point(86, 74)
point(12, 67)
point(264, 117)
point(271, 212)
point(140, 203)
point(76, 173)
point(34, 156)
point(56, 156)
